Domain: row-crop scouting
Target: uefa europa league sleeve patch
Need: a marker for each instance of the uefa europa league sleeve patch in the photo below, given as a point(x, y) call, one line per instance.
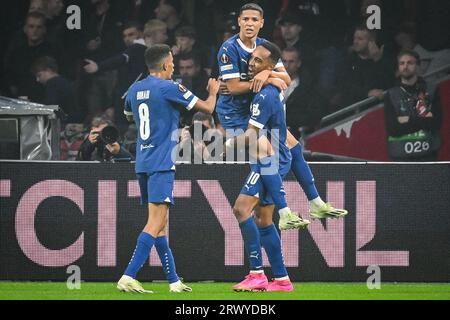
point(224, 59)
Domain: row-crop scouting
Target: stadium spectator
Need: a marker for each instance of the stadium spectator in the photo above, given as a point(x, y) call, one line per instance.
point(197, 137)
point(102, 38)
point(130, 65)
point(193, 77)
point(430, 61)
point(413, 114)
point(56, 22)
point(103, 145)
point(186, 43)
point(168, 12)
point(367, 71)
point(21, 55)
point(292, 61)
point(304, 105)
point(71, 140)
point(155, 32)
point(139, 10)
point(293, 25)
point(189, 66)
point(102, 28)
point(58, 90)
point(37, 6)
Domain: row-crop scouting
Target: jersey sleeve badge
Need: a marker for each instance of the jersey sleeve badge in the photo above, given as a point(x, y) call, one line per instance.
point(224, 59)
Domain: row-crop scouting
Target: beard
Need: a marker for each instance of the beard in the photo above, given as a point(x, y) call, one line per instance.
point(407, 76)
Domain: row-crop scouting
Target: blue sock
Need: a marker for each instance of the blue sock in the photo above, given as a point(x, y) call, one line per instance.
point(271, 243)
point(166, 257)
point(144, 245)
point(250, 234)
point(273, 183)
point(303, 173)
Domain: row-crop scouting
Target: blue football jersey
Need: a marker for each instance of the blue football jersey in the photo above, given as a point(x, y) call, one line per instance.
point(154, 104)
point(268, 113)
point(233, 58)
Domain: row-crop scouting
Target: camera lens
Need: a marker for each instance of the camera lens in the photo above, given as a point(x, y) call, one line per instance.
point(109, 135)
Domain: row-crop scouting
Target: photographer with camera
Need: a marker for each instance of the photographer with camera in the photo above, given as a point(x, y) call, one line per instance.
point(102, 144)
point(198, 136)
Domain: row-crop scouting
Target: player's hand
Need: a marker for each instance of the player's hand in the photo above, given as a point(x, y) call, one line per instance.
point(259, 80)
point(280, 84)
point(223, 89)
point(213, 86)
point(91, 66)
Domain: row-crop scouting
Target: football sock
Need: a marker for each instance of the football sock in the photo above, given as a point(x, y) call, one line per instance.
point(271, 243)
point(250, 234)
point(303, 173)
point(167, 260)
point(144, 245)
point(283, 212)
point(272, 182)
point(317, 202)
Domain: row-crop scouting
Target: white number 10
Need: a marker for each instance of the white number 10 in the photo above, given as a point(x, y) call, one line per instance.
point(144, 116)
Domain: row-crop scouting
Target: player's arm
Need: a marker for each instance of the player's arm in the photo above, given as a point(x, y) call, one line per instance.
point(130, 118)
point(252, 138)
point(238, 87)
point(127, 108)
point(273, 77)
point(209, 104)
point(281, 73)
point(261, 113)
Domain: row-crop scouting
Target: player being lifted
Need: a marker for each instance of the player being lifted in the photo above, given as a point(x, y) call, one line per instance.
point(154, 104)
point(233, 112)
point(267, 120)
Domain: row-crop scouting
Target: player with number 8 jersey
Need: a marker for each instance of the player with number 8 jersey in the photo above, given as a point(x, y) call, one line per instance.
point(154, 104)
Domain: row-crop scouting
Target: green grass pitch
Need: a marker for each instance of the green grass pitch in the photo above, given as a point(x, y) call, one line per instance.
point(222, 291)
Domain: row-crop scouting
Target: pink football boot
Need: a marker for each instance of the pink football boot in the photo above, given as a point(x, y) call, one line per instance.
point(252, 282)
point(280, 285)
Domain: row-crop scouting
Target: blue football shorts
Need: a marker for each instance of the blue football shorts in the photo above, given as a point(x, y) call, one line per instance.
point(157, 187)
point(254, 185)
point(234, 122)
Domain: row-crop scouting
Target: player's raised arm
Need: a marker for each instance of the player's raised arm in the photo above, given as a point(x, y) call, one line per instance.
point(273, 77)
point(281, 73)
point(209, 104)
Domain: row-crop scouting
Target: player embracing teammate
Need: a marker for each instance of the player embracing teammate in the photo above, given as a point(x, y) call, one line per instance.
point(249, 65)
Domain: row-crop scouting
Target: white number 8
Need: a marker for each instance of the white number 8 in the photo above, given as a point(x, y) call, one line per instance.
point(144, 116)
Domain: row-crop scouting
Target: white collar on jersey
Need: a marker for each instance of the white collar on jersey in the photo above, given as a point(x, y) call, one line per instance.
point(244, 47)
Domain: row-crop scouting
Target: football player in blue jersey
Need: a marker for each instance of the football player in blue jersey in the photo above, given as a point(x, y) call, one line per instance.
point(233, 110)
point(154, 104)
point(267, 121)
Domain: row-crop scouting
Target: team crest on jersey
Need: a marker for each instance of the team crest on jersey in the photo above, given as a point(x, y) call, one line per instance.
point(224, 59)
point(182, 88)
point(255, 110)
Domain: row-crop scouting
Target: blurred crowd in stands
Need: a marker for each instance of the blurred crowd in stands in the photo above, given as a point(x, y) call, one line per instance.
point(331, 56)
